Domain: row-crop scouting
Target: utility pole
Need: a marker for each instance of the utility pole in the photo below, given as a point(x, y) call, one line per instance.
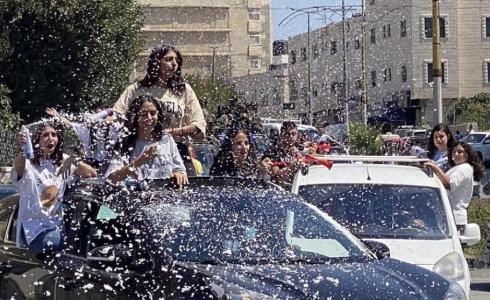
point(364, 94)
point(308, 52)
point(213, 66)
point(436, 59)
point(344, 69)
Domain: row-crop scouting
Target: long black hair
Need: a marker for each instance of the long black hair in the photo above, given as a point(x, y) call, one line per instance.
point(431, 147)
point(176, 83)
point(57, 155)
point(131, 124)
point(472, 158)
point(224, 163)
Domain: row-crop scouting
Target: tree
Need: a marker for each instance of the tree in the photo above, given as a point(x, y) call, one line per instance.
point(474, 109)
point(364, 140)
point(211, 94)
point(75, 54)
point(9, 121)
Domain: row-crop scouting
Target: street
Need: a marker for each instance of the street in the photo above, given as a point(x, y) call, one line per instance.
point(480, 284)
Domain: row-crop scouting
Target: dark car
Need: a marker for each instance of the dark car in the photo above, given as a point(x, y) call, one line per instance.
point(216, 239)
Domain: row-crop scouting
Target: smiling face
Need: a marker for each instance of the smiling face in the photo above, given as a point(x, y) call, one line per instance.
point(168, 65)
point(241, 146)
point(459, 155)
point(48, 141)
point(440, 140)
point(147, 116)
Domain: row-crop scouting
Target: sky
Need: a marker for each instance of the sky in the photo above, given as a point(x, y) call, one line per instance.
point(298, 23)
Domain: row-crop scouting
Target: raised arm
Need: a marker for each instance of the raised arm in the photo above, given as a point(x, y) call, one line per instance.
point(439, 173)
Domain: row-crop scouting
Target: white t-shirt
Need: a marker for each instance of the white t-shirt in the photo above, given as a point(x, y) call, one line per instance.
point(34, 217)
point(162, 167)
point(461, 190)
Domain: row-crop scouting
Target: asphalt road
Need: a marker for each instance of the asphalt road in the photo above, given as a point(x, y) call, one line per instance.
point(480, 284)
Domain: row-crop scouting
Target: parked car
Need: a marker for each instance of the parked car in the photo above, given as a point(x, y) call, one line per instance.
point(399, 205)
point(6, 190)
point(220, 238)
point(480, 142)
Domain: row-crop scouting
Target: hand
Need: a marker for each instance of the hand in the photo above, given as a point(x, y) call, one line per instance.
point(21, 139)
point(265, 165)
point(149, 154)
point(430, 164)
point(180, 178)
point(52, 112)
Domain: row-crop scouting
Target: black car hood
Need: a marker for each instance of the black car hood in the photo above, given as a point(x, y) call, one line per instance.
point(383, 279)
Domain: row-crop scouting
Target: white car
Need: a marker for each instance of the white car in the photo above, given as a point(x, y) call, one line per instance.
point(401, 206)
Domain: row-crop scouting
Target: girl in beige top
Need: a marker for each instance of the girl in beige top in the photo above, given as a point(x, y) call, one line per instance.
point(164, 81)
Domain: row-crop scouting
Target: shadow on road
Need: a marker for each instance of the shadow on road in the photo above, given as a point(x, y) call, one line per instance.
point(481, 286)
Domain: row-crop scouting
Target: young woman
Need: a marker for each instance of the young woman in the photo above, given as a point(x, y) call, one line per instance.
point(237, 156)
point(440, 140)
point(465, 166)
point(147, 152)
point(41, 184)
point(164, 81)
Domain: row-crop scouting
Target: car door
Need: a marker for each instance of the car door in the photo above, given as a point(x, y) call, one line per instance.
point(22, 276)
point(86, 272)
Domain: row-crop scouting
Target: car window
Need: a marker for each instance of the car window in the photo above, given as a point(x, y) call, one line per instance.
point(6, 211)
point(382, 210)
point(475, 138)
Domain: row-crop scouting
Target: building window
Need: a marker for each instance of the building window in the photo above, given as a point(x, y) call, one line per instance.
point(373, 79)
point(333, 47)
point(386, 31)
point(314, 92)
point(428, 27)
point(325, 46)
point(430, 72)
point(264, 98)
point(403, 28)
point(487, 26)
point(254, 64)
point(314, 49)
point(357, 43)
point(276, 96)
point(487, 71)
point(373, 36)
point(386, 74)
point(293, 94)
point(404, 73)
point(254, 40)
point(292, 57)
point(334, 87)
point(254, 16)
point(358, 84)
point(372, 2)
point(304, 54)
point(304, 93)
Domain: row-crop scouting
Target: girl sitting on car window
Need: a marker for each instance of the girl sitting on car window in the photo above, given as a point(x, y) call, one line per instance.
point(465, 166)
point(40, 179)
point(146, 151)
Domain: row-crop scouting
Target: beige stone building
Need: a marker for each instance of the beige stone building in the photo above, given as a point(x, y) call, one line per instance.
point(399, 57)
point(234, 34)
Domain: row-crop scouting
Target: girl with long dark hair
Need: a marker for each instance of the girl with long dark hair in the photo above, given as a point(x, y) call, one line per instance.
point(465, 167)
point(440, 140)
point(164, 81)
point(146, 151)
point(41, 184)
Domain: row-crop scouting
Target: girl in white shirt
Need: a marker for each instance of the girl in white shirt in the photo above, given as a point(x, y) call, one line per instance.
point(41, 184)
point(147, 152)
point(465, 166)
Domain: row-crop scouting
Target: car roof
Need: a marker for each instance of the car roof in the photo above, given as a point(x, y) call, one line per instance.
point(387, 174)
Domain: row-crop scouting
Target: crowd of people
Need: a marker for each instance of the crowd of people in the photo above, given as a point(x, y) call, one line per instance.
point(145, 135)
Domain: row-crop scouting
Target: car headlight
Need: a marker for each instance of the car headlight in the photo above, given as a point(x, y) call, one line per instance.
point(455, 292)
point(450, 267)
point(234, 292)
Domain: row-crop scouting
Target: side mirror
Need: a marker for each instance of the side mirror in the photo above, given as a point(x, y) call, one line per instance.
point(471, 234)
point(380, 250)
point(487, 141)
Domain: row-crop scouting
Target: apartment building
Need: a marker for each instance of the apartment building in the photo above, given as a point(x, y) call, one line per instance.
point(234, 36)
point(399, 60)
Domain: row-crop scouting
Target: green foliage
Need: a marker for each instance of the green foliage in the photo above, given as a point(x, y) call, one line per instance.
point(211, 94)
point(9, 121)
point(363, 140)
point(479, 213)
point(474, 109)
point(76, 54)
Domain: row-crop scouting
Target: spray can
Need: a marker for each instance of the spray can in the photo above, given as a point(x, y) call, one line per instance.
point(102, 114)
point(27, 147)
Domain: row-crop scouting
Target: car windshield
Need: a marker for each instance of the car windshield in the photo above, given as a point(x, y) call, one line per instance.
point(475, 138)
point(382, 211)
point(235, 228)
